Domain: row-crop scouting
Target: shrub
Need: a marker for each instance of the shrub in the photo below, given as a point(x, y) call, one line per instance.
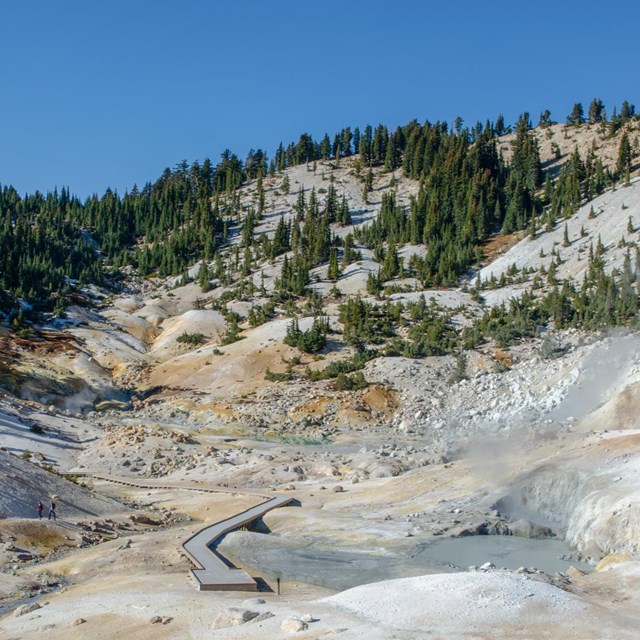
point(311, 341)
point(190, 338)
point(334, 369)
point(345, 382)
point(271, 376)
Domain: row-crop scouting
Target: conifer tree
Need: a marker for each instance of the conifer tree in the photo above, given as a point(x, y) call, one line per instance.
point(623, 164)
point(204, 277)
point(260, 188)
point(596, 111)
point(576, 117)
point(333, 272)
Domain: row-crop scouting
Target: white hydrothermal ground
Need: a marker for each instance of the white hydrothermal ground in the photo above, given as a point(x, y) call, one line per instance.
point(459, 603)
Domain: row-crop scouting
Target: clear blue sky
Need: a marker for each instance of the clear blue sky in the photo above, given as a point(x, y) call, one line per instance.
point(109, 93)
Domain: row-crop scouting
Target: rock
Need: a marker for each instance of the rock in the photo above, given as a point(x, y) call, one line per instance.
point(527, 529)
point(78, 621)
point(26, 608)
point(140, 518)
point(574, 573)
point(338, 489)
point(233, 617)
point(263, 616)
point(487, 566)
point(252, 602)
point(155, 620)
point(307, 617)
point(293, 625)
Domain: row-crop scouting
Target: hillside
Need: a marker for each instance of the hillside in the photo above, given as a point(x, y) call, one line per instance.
point(428, 339)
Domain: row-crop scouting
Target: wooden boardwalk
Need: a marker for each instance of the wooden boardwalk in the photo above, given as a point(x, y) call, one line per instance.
point(212, 573)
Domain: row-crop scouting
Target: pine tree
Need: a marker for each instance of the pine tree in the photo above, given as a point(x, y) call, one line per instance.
point(260, 188)
point(623, 165)
point(333, 271)
point(596, 111)
point(204, 277)
point(576, 117)
point(344, 216)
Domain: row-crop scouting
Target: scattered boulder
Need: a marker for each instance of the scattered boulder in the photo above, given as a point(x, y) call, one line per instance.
point(338, 489)
point(233, 617)
point(78, 621)
point(26, 608)
point(141, 518)
point(155, 620)
point(263, 616)
point(527, 529)
point(293, 625)
point(252, 602)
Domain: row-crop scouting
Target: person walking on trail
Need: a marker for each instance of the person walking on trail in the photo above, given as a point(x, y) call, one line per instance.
point(52, 510)
point(40, 509)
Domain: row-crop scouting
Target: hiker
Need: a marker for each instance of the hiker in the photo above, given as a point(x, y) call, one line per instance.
point(52, 510)
point(40, 508)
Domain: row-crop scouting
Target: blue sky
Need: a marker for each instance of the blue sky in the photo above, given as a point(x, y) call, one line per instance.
point(98, 94)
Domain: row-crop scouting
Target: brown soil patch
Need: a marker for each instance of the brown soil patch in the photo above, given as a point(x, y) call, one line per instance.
point(35, 535)
point(354, 416)
point(497, 245)
point(503, 357)
point(626, 408)
point(381, 399)
point(622, 445)
point(314, 408)
point(217, 409)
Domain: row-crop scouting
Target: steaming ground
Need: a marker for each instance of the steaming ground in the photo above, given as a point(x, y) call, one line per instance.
point(451, 470)
point(536, 442)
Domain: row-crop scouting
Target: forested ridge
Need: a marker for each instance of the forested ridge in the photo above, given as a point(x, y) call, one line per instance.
point(467, 192)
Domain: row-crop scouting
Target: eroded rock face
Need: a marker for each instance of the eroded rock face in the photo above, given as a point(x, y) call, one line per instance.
point(590, 498)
